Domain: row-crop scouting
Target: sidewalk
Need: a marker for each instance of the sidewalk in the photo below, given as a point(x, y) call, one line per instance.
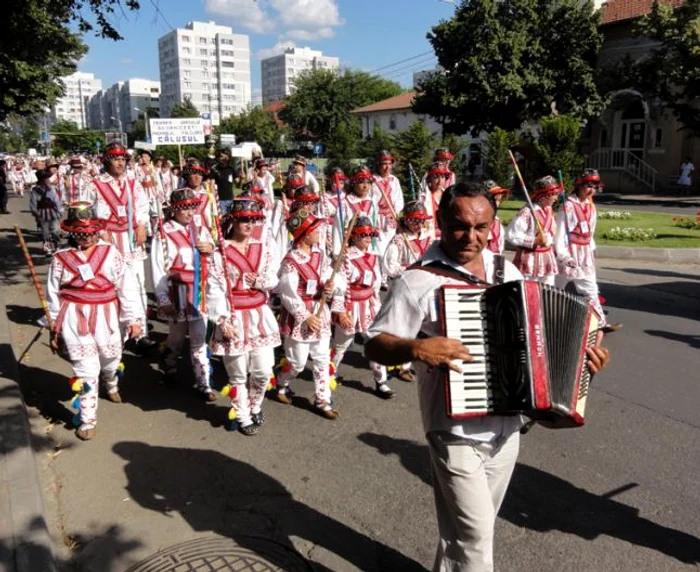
point(24, 540)
point(661, 200)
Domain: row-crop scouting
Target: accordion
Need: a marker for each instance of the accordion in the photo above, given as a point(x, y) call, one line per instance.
point(529, 343)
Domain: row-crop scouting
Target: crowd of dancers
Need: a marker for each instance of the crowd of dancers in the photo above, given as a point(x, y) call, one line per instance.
point(303, 270)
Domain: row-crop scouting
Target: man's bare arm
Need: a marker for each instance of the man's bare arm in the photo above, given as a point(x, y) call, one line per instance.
point(437, 351)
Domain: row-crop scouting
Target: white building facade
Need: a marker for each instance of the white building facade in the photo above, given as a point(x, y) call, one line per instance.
point(122, 104)
point(73, 105)
point(207, 64)
point(279, 72)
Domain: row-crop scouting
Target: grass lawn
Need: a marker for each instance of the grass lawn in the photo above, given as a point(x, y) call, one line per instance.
point(668, 235)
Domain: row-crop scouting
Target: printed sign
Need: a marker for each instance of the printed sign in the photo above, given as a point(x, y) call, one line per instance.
point(177, 131)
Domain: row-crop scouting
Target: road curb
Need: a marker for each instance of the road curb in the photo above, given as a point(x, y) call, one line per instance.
point(670, 255)
point(25, 545)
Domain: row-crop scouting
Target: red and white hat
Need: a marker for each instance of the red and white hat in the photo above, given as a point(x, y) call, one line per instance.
point(82, 219)
point(544, 187)
point(303, 222)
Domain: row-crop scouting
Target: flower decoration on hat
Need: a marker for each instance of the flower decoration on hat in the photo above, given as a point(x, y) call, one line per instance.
point(494, 188)
point(303, 222)
point(181, 199)
point(363, 227)
point(305, 195)
point(545, 187)
point(82, 219)
point(115, 150)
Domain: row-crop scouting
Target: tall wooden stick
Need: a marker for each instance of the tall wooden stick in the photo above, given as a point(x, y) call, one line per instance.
point(409, 244)
point(527, 195)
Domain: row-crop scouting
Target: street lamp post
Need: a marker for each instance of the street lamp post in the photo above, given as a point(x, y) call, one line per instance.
point(119, 126)
point(145, 119)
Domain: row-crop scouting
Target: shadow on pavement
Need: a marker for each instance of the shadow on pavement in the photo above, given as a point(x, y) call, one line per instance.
point(539, 501)
point(413, 456)
point(24, 551)
point(215, 493)
point(692, 341)
point(103, 551)
point(637, 299)
point(652, 272)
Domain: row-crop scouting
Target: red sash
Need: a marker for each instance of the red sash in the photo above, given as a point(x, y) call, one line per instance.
point(358, 208)
point(115, 223)
point(308, 271)
point(243, 297)
point(384, 185)
point(583, 214)
point(99, 291)
point(358, 291)
point(546, 219)
point(178, 271)
point(496, 229)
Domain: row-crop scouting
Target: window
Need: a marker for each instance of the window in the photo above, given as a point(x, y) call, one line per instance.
point(603, 138)
point(188, 85)
point(186, 50)
point(392, 122)
point(186, 73)
point(658, 138)
point(204, 64)
point(226, 64)
point(205, 86)
point(187, 62)
point(205, 75)
point(203, 52)
point(227, 53)
point(203, 41)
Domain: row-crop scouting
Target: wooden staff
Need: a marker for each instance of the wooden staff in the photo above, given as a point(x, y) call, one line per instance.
point(562, 194)
point(222, 246)
point(527, 196)
point(35, 279)
point(338, 261)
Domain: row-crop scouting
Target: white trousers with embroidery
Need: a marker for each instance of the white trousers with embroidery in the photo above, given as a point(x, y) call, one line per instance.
point(197, 330)
point(341, 343)
point(92, 370)
point(249, 374)
point(139, 274)
point(297, 353)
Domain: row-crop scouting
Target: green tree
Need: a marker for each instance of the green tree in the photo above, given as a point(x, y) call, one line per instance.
point(557, 146)
point(322, 101)
point(256, 124)
point(507, 62)
point(671, 72)
point(413, 147)
point(343, 144)
point(378, 142)
point(185, 109)
point(67, 137)
point(458, 148)
point(39, 45)
point(498, 165)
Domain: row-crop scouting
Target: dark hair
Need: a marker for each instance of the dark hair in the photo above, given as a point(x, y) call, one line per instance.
point(467, 189)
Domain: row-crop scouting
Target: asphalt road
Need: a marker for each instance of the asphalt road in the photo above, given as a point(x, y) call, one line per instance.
point(619, 494)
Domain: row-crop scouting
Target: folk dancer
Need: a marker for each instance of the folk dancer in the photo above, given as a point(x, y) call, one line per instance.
point(47, 209)
point(305, 276)
point(575, 243)
point(246, 334)
point(410, 243)
point(472, 459)
point(193, 174)
point(77, 186)
point(534, 239)
point(387, 187)
point(363, 280)
point(123, 205)
point(298, 166)
point(91, 294)
point(436, 183)
point(280, 214)
point(358, 200)
point(497, 239)
point(180, 264)
point(55, 180)
point(16, 176)
point(146, 175)
point(263, 178)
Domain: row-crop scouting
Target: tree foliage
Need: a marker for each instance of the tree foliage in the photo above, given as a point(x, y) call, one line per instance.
point(322, 101)
point(38, 46)
point(507, 62)
point(185, 109)
point(671, 72)
point(68, 137)
point(557, 145)
point(413, 147)
point(497, 165)
point(256, 124)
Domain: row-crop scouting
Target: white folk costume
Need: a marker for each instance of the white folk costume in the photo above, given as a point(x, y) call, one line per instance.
point(90, 297)
point(536, 262)
point(47, 209)
point(150, 183)
point(387, 189)
point(441, 160)
point(407, 247)
point(363, 280)
point(207, 209)
point(435, 184)
point(575, 246)
point(352, 204)
point(248, 356)
point(77, 186)
point(180, 278)
point(303, 277)
point(280, 215)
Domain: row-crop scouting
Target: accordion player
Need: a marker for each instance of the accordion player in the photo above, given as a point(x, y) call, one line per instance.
point(529, 343)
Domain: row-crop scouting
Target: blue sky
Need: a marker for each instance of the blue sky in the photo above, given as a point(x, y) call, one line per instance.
point(364, 34)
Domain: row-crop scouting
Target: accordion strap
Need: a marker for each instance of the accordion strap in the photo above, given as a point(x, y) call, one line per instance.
point(441, 269)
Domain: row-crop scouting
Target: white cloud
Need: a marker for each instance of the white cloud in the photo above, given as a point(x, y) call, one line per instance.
point(245, 13)
point(127, 61)
point(275, 50)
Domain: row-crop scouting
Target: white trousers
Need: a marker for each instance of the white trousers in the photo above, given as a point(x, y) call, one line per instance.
point(588, 287)
point(341, 343)
point(550, 279)
point(92, 370)
point(470, 482)
point(197, 331)
point(139, 274)
point(297, 353)
point(249, 374)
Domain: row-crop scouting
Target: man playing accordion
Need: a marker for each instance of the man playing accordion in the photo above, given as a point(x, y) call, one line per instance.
point(473, 458)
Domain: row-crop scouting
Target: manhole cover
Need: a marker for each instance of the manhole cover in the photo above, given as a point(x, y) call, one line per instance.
point(249, 554)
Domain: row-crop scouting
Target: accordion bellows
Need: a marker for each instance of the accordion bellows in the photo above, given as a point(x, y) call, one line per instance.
point(529, 343)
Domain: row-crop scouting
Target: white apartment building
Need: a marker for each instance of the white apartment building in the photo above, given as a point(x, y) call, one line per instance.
point(72, 106)
point(208, 64)
point(118, 104)
point(279, 72)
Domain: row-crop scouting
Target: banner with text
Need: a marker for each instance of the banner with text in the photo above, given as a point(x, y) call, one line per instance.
point(177, 131)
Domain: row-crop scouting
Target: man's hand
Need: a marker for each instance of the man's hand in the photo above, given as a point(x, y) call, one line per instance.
point(345, 321)
point(228, 329)
point(205, 247)
point(598, 357)
point(328, 288)
point(134, 330)
point(571, 263)
point(250, 279)
point(141, 235)
point(167, 310)
point(541, 239)
point(440, 351)
point(53, 342)
point(313, 322)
